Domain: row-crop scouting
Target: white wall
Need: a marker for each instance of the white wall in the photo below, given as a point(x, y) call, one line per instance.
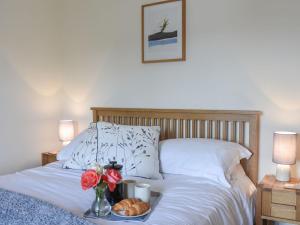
point(30, 80)
point(241, 54)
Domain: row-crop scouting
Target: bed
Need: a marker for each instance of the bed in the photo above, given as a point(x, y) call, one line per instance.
point(186, 200)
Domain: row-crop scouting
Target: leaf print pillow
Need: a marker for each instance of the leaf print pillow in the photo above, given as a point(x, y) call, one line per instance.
point(134, 147)
point(84, 156)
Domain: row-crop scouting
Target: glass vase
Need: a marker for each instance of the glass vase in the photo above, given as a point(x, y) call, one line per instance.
point(101, 206)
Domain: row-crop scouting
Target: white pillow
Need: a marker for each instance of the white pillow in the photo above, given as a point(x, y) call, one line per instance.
point(237, 172)
point(66, 152)
point(208, 158)
point(134, 147)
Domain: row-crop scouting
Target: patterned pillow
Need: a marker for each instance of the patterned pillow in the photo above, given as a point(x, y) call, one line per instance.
point(84, 154)
point(135, 147)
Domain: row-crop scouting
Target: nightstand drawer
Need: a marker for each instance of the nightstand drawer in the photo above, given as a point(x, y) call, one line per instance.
point(284, 197)
point(276, 203)
point(283, 211)
point(48, 157)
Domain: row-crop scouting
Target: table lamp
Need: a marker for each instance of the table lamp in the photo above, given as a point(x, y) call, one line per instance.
point(284, 153)
point(66, 131)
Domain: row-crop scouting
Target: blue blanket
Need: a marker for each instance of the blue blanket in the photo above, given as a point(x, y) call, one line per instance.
point(19, 209)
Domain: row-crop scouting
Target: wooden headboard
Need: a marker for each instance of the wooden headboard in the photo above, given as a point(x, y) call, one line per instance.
point(236, 126)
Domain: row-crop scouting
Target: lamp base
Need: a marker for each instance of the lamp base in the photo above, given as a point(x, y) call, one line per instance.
point(65, 143)
point(283, 172)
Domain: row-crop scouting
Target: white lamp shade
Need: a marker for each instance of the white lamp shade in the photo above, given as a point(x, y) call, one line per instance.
point(284, 148)
point(66, 130)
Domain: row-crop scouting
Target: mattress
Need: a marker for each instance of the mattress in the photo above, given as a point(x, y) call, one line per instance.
point(185, 200)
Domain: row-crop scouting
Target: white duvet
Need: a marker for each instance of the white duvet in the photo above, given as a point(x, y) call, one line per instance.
point(186, 200)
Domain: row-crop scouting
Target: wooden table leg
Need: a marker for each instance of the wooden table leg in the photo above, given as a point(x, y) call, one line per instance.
point(258, 219)
point(268, 222)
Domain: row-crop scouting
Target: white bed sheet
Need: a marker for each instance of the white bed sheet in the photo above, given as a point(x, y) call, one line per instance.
point(186, 200)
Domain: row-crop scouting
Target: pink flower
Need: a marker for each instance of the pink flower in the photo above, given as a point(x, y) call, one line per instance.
point(90, 179)
point(94, 178)
point(112, 178)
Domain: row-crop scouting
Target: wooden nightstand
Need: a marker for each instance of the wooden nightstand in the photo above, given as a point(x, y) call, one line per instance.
point(276, 203)
point(48, 157)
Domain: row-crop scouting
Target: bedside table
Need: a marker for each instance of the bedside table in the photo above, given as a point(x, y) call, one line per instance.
point(276, 203)
point(48, 157)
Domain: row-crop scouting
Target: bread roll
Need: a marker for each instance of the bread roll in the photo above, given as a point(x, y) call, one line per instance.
point(131, 207)
point(125, 204)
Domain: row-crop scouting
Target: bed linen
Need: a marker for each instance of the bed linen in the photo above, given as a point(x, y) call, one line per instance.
point(186, 200)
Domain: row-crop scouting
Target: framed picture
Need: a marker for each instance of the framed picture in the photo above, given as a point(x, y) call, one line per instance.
point(164, 31)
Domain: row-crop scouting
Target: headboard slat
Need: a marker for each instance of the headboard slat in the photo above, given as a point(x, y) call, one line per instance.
point(217, 129)
point(202, 129)
point(241, 133)
point(225, 131)
point(195, 129)
point(237, 126)
point(209, 129)
point(233, 131)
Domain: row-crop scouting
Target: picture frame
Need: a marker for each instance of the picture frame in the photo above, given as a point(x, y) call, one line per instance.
point(164, 31)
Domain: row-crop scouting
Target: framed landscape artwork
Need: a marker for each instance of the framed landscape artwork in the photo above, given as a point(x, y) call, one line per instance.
point(164, 31)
